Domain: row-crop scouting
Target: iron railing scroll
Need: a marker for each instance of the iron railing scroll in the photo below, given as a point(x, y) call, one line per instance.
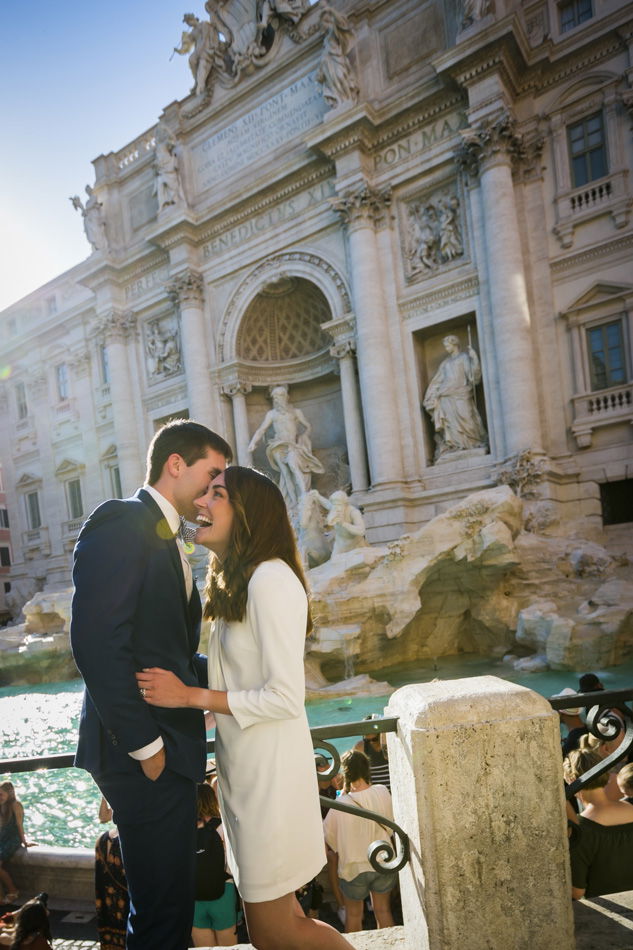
point(607, 717)
point(382, 854)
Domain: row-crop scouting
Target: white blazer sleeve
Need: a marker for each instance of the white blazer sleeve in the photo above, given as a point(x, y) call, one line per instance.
point(276, 611)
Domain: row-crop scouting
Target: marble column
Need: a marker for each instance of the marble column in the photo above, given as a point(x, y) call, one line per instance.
point(117, 329)
point(91, 487)
point(344, 351)
point(363, 210)
point(237, 393)
point(488, 151)
point(187, 290)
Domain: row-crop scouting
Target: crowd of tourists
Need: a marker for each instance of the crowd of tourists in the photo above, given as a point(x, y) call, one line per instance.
point(600, 815)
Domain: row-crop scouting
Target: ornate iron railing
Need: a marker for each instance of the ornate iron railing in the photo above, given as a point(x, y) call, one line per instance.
point(607, 716)
point(382, 854)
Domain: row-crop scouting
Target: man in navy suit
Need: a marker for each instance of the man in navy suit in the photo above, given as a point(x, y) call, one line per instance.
point(135, 606)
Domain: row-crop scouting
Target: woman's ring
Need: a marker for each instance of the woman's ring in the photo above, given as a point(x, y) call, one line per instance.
point(142, 691)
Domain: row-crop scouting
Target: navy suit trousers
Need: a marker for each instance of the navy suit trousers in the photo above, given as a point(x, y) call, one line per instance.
point(157, 830)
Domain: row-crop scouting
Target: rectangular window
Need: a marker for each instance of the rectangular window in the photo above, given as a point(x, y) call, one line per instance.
point(5, 557)
point(63, 390)
point(605, 344)
point(115, 479)
point(4, 518)
point(75, 503)
point(20, 401)
point(33, 510)
point(573, 13)
point(617, 501)
point(105, 365)
point(587, 150)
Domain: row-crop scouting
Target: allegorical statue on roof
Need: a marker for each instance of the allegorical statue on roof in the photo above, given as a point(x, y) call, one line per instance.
point(336, 73)
point(167, 184)
point(94, 219)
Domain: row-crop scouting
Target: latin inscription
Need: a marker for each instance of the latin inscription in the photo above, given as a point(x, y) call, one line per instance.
point(292, 111)
point(139, 287)
point(279, 214)
point(419, 141)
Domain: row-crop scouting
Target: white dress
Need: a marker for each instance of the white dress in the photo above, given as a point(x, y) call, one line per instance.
point(265, 760)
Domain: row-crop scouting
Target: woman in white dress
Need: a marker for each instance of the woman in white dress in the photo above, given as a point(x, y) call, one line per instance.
point(256, 595)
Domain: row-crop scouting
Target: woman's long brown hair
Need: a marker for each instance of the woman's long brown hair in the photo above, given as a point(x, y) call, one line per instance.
point(261, 531)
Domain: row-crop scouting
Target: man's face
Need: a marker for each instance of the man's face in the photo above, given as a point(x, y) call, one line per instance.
point(192, 481)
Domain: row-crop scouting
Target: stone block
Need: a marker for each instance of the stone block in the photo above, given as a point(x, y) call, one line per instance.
point(489, 855)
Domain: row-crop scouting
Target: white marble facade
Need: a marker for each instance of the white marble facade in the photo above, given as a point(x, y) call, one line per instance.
point(340, 193)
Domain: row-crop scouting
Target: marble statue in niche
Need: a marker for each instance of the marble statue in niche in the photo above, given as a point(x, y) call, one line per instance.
point(289, 451)
point(93, 218)
point(450, 401)
point(163, 349)
point(433, 234)
point(335, 72)
point(167, 184)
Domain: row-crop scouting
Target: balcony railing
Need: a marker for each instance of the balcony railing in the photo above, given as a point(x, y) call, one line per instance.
point(604, 407)
point(608, 195)
point(70, 529)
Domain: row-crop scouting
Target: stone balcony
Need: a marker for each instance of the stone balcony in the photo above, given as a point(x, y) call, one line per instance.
point(602, 408)
point(608, 195)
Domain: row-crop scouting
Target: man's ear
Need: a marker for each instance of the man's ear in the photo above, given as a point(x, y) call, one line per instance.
point(174, 465)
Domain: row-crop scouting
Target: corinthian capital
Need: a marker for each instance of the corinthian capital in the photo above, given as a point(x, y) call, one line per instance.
point(497, 140)
point(363, 206)
point(342, 349)
point(117, 326)
point(186, 287)
point(236, 388)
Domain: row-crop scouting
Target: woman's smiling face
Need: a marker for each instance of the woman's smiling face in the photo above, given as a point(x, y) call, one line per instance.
point(215, 517)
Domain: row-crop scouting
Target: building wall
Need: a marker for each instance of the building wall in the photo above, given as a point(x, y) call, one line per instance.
point(332, 249)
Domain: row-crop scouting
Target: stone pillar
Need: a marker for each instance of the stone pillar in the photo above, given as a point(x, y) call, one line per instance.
point(354, 435)
point(237, 393)
point(91, 487)
point(187, 289)
point(477, 783)
point(488, 151)
point(117, 329)
point(363, 210)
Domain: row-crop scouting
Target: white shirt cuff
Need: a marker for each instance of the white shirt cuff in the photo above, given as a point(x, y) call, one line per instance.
point(148, 750)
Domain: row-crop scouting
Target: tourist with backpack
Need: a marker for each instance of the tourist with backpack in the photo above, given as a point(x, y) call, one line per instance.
point(216, 906)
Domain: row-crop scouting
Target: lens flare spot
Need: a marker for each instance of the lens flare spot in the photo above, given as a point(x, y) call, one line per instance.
point(5, 372)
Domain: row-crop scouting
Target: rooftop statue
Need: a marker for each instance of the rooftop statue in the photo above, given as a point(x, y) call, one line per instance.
point(94, 219)
point(336, 73)
point(201, 41)
point(167, 185)
point(450, 401)
point(290, 449)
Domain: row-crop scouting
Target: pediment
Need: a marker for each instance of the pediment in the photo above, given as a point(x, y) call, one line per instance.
point(110, 453)
point(28, 480)
point(68, 467)
point(600, 294)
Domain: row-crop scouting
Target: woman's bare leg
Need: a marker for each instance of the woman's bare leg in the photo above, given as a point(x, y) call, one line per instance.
point(203, 937)
point(226, 937)
point(381, 906)
point(282, 925)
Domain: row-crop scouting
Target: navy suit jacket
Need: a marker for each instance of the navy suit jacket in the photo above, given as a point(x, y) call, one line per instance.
point(130, 611)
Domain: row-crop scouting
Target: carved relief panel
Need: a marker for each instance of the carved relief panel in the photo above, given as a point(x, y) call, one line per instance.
point(163, 355)
point(432, 230)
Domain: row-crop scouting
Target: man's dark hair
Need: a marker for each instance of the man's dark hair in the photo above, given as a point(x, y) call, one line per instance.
point(186, 438)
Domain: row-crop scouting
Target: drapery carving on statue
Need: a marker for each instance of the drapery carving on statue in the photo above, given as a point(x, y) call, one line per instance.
point(335, 72)
point(167, 183)
point(433, 235)
point(474, 10)
point(289, 451)
point(162, 348)
point(363, 205)
point(450, 401)
point(494, 139)
point(186, 288)
point(93, 219)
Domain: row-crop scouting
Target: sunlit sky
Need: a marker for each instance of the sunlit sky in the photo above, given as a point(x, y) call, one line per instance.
point(78, 79)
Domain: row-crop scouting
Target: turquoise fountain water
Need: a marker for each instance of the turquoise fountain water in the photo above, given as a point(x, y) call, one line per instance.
point(61, 805)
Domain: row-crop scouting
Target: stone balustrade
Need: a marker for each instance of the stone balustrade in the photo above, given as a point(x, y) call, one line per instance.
point(601, 408)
